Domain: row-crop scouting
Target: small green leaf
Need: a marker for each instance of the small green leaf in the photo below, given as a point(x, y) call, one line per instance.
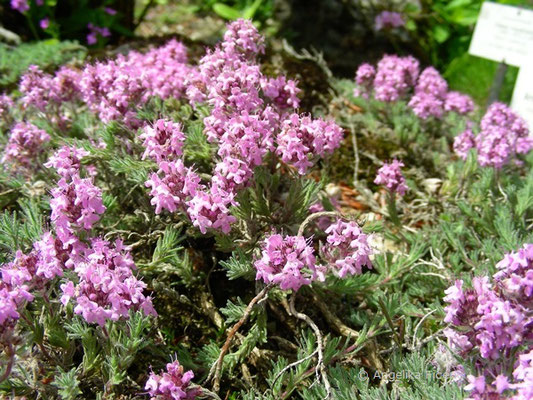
point(226, 12)
point(249, 12)
point(441, 33)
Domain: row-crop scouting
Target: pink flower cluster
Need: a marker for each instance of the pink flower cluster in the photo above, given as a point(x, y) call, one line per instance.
point(107, 288)
point(503, 134)
point(66, 161)
point(76, 206)
point(301, 138)
point(247, 113)
point(15, 288)
point(250, 116)
point(390, 176)
point(163, 141)
point(493, 324)
point(20, 5)
point(6, 103)
point(172, 185)
point(430, 94)
point(163, 70)
point(396, 77)
point(290, 262)
point(347, 249)
point(172, 384)
point(50, 93)
point(210, 210)
point(112, 89)
point(364, 77)
point(388, 20)
point(464, 142)
point(95, 31)
point(27, 273)
point(24, 145)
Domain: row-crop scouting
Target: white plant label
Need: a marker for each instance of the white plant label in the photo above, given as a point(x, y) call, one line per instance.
point(503, 34)
point(522, 101)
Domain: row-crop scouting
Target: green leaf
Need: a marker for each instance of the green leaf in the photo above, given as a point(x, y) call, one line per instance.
point(233, 311)
point(239, 265)
point(441, 33)
point(67, 384)
point(457, 4)
point(249, 12)
point(226, 11)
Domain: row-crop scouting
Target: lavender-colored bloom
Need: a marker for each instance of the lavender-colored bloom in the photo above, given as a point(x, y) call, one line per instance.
point(49, 93)
point(491, 323)
point(282, 91)
point(24, 145)
point(432, 83)
point(430, 94)
point(20, 5)
point(19, 272)
point(364, 77)
point(12, 296)
point(107, 288)
point(394, 77)
point(347, 249)
point(242, 36)
point(76, 206)
point(164, 141)
point(388, 20)
point(426, 105)
point(458, 102)
point(232, 174)
point(95, 31)
point(110, 89)
point(463, 143)
point(516, 275)
point(288, 261)
point(6, 103)
point(210, 209)
point(163, 70)
point(44, 23)
point(390, 176)
point(9, 303)
point(51, 257)
point(523, 375)
point(244, 136)
point(503, 135)
point(172, 384)
point(172, 185)
point(301, 138)
point(67, 161)
point(110, 11)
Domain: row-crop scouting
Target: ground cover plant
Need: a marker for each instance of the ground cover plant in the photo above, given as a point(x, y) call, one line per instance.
point(178, 228)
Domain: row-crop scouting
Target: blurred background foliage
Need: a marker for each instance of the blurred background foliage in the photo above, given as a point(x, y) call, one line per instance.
point(437, 32)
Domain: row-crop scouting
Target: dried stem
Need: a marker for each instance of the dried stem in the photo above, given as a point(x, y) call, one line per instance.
point(332, 319)
point(294, 364)
point(320, 368)
point(217, 366)
point(314, 216)
point(10, 352)
point(356, 155)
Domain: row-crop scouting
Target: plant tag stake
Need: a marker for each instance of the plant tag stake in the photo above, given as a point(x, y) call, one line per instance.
point(522, 101)
point(503, 34)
